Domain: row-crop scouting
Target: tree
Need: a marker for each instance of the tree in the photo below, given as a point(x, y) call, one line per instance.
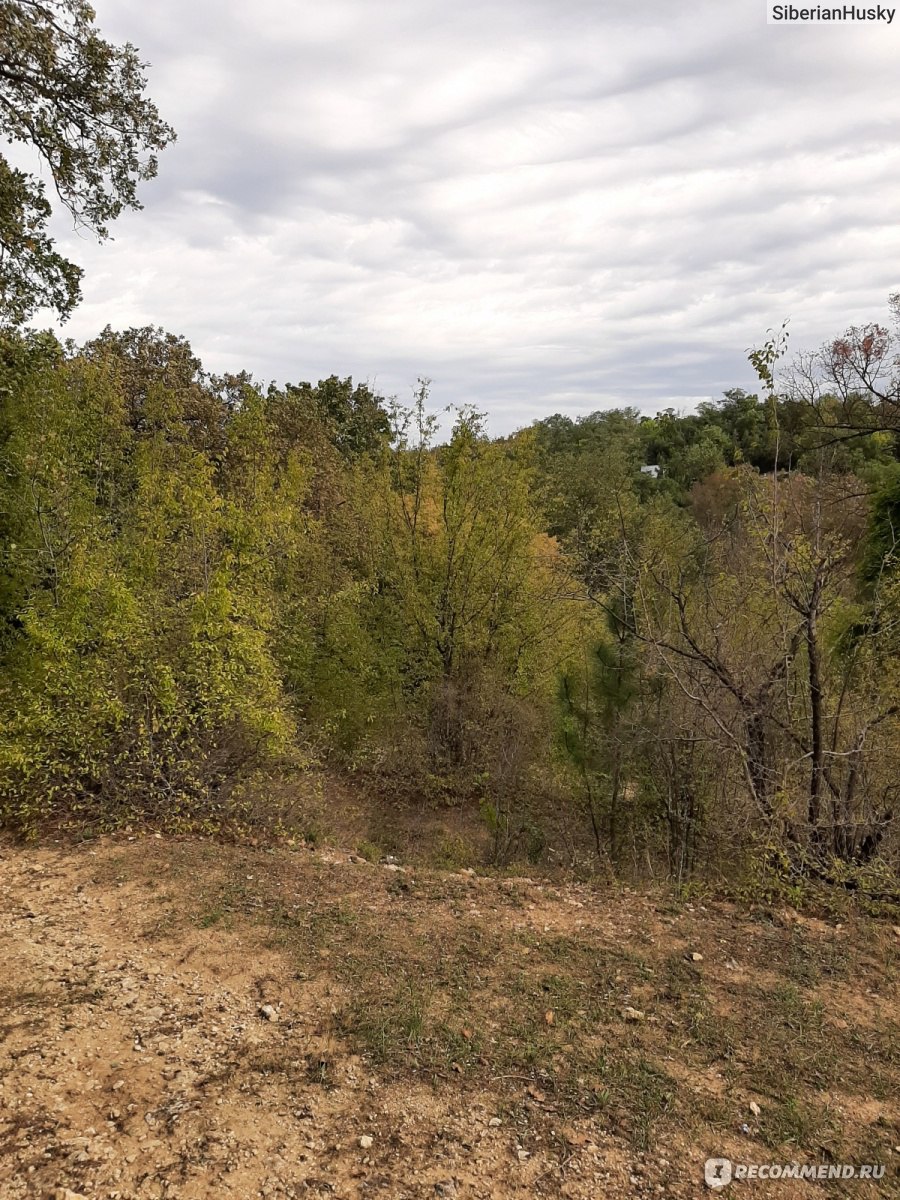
point(79, 102)
point(139, 584)
point(350, 418)
point(852, 384)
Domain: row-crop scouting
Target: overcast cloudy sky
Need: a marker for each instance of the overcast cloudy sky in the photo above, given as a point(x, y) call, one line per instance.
point(543, 205)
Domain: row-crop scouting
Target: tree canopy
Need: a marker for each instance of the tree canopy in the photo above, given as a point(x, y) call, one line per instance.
point(79, 101)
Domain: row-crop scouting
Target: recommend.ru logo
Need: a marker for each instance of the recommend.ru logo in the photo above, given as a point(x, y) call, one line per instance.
point(719, 1172)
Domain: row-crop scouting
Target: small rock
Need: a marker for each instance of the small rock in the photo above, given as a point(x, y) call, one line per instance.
point(695, 957)
point(522, 1155)
point(268, 1012)
point(366, 1142)
point(754, 1108)
point(632, 1014)
point(494, 1122)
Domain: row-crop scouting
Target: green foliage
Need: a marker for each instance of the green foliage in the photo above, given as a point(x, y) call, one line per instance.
point(139, 597)
point(79, 102)
point(198, 578)
point(881, 553)
point(348, 419)
point(32, 274)
point(466, 584)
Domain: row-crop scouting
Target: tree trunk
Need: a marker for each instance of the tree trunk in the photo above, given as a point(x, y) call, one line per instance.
point(817, 743)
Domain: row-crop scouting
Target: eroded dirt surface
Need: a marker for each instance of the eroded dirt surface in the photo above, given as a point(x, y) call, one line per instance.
point(175, 1023)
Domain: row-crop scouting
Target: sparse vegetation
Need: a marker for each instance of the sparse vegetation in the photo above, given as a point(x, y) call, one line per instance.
point(578, 1020)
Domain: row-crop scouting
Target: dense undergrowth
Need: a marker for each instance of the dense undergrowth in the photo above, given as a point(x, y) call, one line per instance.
point(213, 594)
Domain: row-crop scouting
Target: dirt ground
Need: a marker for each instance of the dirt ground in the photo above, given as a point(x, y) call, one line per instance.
point(186, 1019)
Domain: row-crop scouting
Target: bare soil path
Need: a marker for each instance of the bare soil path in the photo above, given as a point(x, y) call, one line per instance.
point(182, 1019)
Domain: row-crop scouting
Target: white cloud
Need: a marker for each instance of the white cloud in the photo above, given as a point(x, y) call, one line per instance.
point(539, 205)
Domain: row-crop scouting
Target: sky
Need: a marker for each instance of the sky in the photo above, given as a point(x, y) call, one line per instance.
point(540, 205)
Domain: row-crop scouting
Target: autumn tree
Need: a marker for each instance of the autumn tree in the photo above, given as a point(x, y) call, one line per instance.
point(851, 385)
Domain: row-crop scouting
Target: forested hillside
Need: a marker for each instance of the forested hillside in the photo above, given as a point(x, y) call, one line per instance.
point(393, 805)
point(207, 585)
